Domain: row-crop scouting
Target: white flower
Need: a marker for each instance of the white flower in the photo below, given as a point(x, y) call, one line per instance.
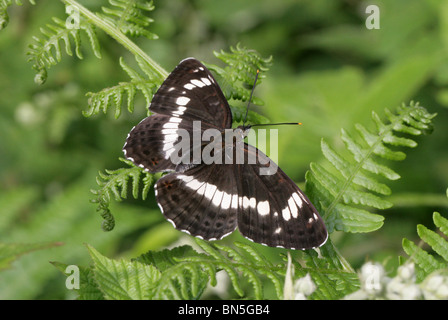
point(301, 288)
point(435, 287)
point(373, 278)
point(304, 287)
point(403, 286)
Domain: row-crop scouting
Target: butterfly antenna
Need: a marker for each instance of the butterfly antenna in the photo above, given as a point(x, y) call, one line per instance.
point(250, 98)
point(276, 124)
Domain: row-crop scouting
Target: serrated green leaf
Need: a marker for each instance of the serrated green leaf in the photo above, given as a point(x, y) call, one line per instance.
point(441, 222)
point(439, 244)
point(426, 261)
point(124, 280)
point(88, 288)
point(351, 219)
point(338, 193)
point(114, 185)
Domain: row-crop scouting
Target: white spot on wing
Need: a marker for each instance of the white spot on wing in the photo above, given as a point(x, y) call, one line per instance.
point(286, 214)
point(226, 200)
point(194, 184)
point(168, 146)
point(263, 208)
point(175, 120)
point(293, 207)
point(253, 202)
point(206, 81)
point(180, 111)
point(217, 198)
point(210, 191)
point(182, 101)
point(169, 125)
point(197, 83)
point(169, 131)
point(297, 199)
point(189, 86)
point(235, 201)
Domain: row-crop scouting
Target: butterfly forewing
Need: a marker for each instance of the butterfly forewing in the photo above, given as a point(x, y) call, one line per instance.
point(191, 93)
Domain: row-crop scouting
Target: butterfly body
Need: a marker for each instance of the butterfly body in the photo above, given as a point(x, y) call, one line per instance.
point(241, 187)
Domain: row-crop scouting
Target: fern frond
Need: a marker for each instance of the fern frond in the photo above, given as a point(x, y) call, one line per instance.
point(332, 279)
point(88, 287)
point(4, 17)
point(102, 100)
point(427, 262)
point(46, 50)
point(179, 280)
point(184, 273)
point(129, 16)
point(123, 280)
point(180, 265)
point(114, 186)
point(237, 78)
point(346, 190)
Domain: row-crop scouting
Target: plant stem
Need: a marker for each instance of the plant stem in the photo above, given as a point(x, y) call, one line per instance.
point(117, 35)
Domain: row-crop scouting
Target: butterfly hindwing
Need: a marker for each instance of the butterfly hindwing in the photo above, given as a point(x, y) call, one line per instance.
point(275, 212)
point(202, 201)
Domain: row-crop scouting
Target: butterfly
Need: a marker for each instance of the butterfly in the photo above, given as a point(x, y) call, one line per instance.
point(211, 200)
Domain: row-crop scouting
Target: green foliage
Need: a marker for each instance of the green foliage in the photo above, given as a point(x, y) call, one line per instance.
point(46, 51)
point(115, 95)
point(427, 262)
point(88, 288)
point(130, 17)
point(114, 185)
point(48, 146)
point(4, 17)
point(237, 78)
point(12, 251)
point(342, 191)
point(184, 273)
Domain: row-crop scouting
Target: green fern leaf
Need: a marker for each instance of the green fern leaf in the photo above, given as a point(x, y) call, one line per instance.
point(346, 190)
point(114, 186)
point(123, 280)
point(88, 288)
point(101, 101)
point(4, 17)
point(129, 16)
point(183, 266)
point(179, 280)
point(427, 262)
point(46, 51)
point(184, 273)
point(331, 276)
point(237, 78)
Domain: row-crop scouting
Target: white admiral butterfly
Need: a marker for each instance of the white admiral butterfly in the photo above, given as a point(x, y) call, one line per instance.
point(210, 200)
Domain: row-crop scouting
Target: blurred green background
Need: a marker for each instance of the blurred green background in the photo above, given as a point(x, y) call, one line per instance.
point(329, 72)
